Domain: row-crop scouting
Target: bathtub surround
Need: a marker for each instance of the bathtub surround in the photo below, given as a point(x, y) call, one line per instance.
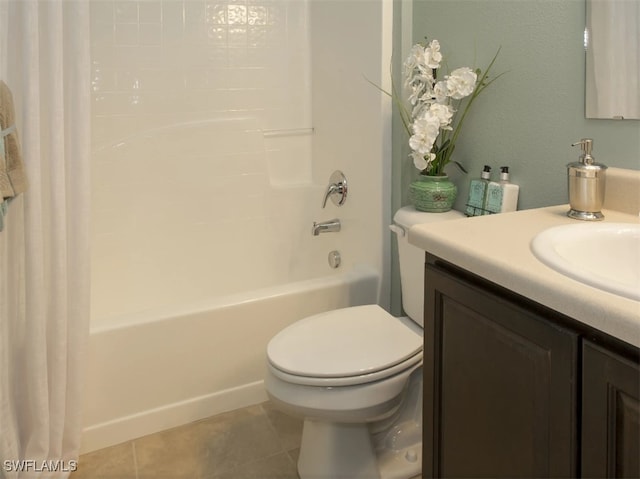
point(44, 248)
point(205, 106)
point(215, 123)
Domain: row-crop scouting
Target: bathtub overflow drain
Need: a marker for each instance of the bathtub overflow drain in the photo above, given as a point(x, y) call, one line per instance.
point(334, 259)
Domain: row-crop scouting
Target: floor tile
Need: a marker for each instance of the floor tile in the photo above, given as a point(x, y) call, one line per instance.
point(215, 445)
point(257, 442)
point(294, 454)
point(289, 428)
point(115, 462)
point(278, 466)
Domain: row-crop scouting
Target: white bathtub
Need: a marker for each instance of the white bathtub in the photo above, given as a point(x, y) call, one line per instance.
point(159, 369)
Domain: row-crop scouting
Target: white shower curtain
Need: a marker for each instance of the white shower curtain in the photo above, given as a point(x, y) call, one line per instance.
point(44, 248)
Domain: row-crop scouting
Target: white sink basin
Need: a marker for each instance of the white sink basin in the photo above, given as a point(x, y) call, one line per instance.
point(603, 255)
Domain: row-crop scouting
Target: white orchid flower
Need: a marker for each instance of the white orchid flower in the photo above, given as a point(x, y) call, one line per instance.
point(432, 55)
point(461, 83)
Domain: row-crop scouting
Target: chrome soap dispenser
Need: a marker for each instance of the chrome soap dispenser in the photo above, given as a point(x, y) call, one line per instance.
point(586, 184)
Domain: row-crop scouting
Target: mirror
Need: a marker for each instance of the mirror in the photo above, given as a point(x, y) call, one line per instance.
point(612, 42)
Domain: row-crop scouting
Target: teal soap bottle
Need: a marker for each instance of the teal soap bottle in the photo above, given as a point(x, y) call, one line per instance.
point(478, 193)
point(494, 198)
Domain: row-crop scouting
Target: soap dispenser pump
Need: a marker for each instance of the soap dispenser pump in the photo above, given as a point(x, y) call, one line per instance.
point(586, 184)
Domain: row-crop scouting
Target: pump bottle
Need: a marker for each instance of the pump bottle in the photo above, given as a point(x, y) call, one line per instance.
point(502, 197)
point(478, 193)
point(586, 184)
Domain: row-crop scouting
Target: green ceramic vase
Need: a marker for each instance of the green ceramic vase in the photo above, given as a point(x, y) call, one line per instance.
point(433, 194)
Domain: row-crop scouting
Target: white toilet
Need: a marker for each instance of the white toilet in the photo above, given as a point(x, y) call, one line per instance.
point(355, 376)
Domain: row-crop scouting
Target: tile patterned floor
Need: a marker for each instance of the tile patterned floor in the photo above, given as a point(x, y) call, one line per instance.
point(256, 442)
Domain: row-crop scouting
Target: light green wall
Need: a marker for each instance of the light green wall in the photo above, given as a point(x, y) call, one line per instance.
point(529, 117)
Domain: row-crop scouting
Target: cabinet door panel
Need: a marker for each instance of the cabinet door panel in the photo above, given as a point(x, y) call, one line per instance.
point(495, 399)
point(501, 386)
point(610, 414)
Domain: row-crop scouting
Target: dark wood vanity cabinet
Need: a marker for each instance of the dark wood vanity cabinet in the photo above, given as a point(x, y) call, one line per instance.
point(610, 414)
point(504, 382)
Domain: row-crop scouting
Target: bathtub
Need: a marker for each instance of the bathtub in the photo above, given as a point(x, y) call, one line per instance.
point(154, 370)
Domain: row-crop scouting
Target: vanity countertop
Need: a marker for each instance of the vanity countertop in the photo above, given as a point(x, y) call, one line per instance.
point(497, 248)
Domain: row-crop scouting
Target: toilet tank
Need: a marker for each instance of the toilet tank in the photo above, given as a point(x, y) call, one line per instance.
point(412, 258)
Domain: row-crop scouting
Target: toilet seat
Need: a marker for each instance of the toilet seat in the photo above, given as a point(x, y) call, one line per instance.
point(344, 347)
point(348, 380)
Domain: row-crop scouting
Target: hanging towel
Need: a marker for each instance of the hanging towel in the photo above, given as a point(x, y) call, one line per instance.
point(3, 211)
point(13, 179)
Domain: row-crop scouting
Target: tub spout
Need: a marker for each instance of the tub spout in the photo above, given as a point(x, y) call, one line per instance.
point(331, 226)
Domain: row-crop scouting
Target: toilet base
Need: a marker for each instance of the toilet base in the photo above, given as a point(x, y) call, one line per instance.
point(336, 451)
point(389, 448)
point(346, 451)
point(405, 460)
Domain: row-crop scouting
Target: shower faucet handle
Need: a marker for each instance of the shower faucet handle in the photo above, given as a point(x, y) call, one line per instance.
point(337, 189)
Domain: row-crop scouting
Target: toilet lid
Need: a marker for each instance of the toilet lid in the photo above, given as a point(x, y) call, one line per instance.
point(342, 343)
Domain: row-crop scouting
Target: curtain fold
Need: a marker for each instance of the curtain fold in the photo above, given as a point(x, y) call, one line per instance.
point(44, 250)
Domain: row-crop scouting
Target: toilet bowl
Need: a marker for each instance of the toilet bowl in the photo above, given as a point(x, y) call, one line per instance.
point(355, 376)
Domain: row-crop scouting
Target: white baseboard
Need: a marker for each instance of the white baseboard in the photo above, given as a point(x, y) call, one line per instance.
point(125, 428)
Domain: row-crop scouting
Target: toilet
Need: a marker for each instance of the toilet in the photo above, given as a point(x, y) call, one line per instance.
point(355, 376)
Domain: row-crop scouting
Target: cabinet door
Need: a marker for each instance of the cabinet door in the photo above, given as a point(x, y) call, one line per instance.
point(500, 385)
point(610, 414)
